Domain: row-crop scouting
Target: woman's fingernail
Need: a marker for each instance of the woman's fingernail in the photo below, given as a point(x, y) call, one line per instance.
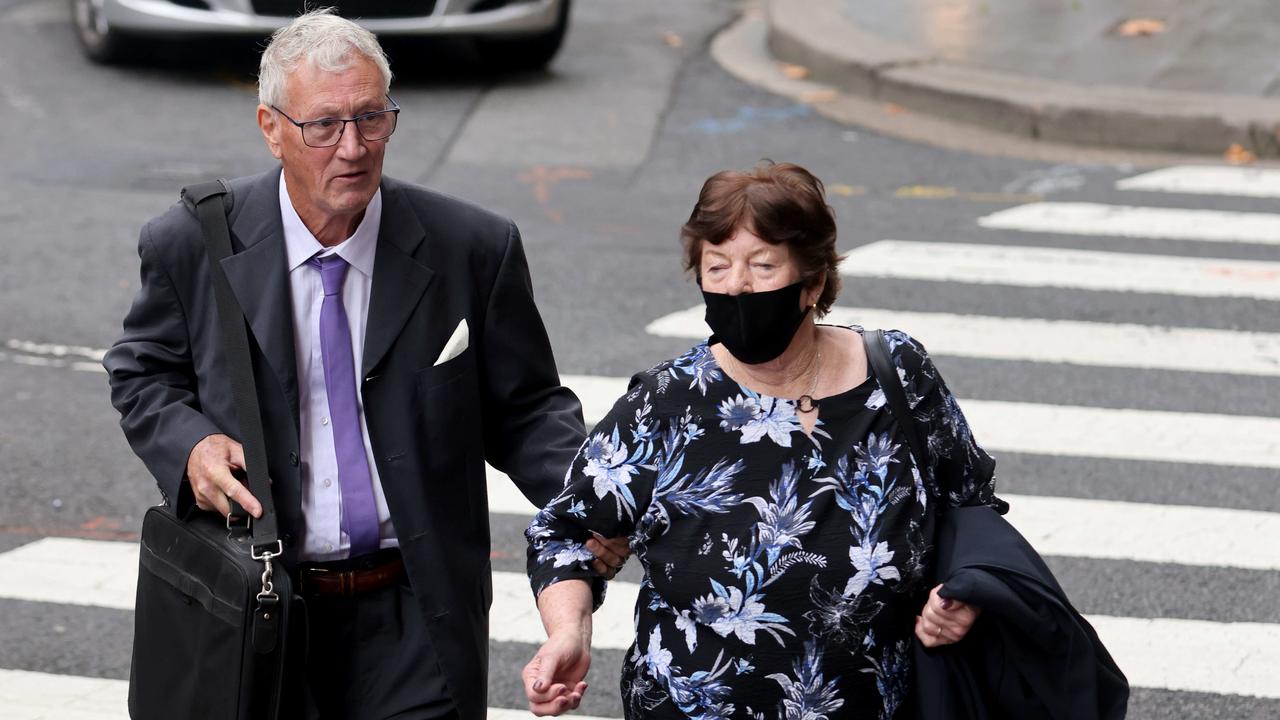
point(946, 603)
point(537, 685)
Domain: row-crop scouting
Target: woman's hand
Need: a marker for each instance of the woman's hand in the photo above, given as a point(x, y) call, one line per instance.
point(944, 621)
point(554, 678)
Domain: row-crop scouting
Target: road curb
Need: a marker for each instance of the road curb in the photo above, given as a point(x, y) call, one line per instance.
point(819, 36)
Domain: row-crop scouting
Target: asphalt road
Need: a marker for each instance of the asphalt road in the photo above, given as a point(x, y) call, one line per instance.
point(599, 163)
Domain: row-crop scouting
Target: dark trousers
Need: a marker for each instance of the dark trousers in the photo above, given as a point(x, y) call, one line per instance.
point(369, 657)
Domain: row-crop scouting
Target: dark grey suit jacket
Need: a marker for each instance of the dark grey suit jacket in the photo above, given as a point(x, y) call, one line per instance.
point(439, 260)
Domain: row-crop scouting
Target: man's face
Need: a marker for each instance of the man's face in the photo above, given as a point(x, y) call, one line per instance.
point(331, 184)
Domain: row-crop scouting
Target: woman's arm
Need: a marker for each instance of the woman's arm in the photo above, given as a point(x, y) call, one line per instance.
point(607, 487)
point(961, 470)
point(554, 678)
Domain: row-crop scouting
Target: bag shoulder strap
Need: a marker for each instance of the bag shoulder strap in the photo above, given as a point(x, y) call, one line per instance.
point(210, 200)
point(886, 373)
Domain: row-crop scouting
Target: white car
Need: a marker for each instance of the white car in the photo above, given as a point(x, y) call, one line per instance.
point(511, 34)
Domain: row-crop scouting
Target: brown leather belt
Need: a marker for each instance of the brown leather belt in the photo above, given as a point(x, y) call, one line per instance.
point(351, 578)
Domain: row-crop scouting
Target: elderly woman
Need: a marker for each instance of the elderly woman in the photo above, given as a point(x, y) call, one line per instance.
point(764, 484)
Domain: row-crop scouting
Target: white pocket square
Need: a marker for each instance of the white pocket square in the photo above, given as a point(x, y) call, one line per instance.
point(457, 343)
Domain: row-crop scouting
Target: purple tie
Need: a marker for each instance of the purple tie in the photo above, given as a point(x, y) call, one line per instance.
point(359, 513)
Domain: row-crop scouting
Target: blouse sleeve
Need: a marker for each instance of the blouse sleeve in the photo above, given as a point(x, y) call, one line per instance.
point(607, 487)
point(961, 469)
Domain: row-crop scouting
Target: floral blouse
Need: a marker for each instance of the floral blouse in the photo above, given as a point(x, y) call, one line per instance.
point(783, 571)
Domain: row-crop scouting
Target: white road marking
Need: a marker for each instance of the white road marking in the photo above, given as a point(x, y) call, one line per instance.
point(28, 695)
point(70, 571)
point(1075, 269)
point(1076, 431)
point(1049, 341)
point(55, 350)
point(41, 696)
point(1142, 222)
point(1143, 532)
point(1151, 435)
point(1208, 180)
point(1194, 655)
point(74, 357)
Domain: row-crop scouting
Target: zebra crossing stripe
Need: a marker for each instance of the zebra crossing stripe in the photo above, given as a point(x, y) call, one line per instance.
point(1056, 268)
point(41, 696)
point(1093, 529)
point(1147, 435)
point(1079, 218)
point(26, 695)
point(1208, 180)
point(1049, 341)
point(69, 571)
point(1194, 655)
point(1144, 532)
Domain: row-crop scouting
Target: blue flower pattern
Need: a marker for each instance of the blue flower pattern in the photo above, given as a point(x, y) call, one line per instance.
point(783, 570)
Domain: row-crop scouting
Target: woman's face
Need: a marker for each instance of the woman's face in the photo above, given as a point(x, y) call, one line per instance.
point(745, 263)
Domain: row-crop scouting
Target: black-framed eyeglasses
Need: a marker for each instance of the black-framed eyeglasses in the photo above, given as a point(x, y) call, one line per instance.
point(373, 126)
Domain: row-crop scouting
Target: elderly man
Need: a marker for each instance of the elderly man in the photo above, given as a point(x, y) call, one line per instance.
point(397, 347)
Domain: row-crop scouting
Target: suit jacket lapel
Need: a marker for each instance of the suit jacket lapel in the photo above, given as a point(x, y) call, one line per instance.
point(258, 274)
point(399, 280)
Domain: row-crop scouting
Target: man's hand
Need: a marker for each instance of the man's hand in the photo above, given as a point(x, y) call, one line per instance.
point(209, 469)
point(611, 554)
point(944, 621)
point(554, 678)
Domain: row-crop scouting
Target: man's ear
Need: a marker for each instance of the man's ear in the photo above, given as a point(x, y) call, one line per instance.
point(270, 126)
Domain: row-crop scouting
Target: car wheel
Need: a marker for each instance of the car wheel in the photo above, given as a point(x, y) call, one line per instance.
point(528, 52)
point(100, 42)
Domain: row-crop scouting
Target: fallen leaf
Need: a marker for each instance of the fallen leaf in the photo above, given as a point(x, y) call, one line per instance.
point(795, 72)
point(1237, 155)
point(1141, 27)
point(814, 97)
point(673, 40)
point(894, 109)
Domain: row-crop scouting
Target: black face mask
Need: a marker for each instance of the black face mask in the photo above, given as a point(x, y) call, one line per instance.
point(756, 327)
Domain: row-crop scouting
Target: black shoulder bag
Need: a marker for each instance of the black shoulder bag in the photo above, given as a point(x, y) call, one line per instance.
point(886, 373)
point(212, 612)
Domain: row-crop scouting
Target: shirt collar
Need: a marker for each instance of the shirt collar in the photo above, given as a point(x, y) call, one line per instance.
point(358, 250)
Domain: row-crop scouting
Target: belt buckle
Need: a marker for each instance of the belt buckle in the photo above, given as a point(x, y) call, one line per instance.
point(310, 574)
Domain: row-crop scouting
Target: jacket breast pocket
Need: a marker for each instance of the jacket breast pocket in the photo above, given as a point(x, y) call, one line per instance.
point(428, 378)
point(447, 399)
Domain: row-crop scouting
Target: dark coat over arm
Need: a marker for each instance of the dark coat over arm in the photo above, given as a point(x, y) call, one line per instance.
point(1030, 655)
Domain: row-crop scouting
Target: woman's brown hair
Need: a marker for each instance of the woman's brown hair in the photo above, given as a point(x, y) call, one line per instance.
point(781, 203)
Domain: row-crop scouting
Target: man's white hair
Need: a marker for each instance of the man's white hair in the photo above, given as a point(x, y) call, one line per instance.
point(325, 40)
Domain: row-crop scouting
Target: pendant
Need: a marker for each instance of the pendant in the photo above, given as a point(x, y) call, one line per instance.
point(806, 404)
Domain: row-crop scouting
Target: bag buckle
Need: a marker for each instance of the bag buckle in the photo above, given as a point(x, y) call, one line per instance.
point(268, 589)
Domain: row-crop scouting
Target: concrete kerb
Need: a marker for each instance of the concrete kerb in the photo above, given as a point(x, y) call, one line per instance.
point(819, 36)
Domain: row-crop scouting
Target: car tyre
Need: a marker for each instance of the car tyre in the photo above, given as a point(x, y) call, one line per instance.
point(527, 52)
point(100, 42)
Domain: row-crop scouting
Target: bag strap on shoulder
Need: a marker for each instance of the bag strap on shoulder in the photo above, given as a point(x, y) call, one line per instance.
point(210, 201)
point(886, 373)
